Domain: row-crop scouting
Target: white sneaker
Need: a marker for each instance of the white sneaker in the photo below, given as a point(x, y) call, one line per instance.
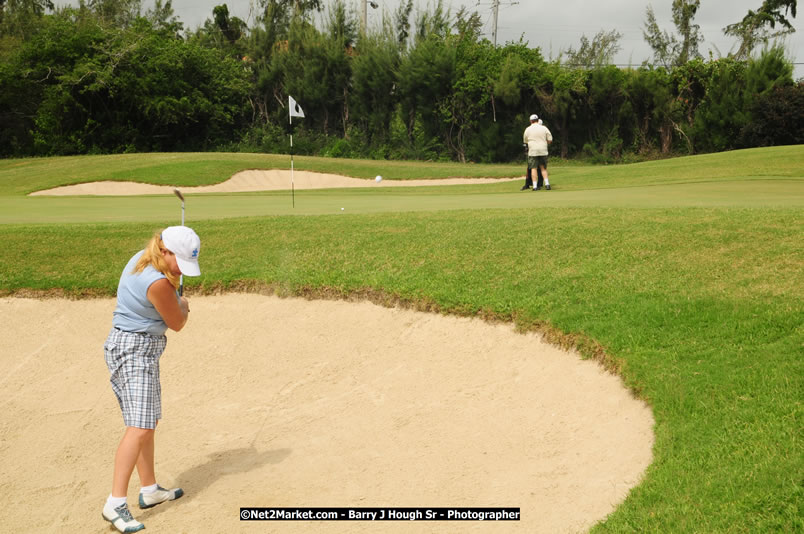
point(159, 496)
point(121, 518)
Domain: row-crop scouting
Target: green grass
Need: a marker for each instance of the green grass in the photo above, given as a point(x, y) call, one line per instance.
point(690, 278)
point(750, 178)
point(165, 208)
point(23, 176)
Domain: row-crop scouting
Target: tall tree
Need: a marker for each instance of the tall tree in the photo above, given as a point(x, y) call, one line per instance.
point(339, 41)
point(435, 23)
point(115, 13)
point(683, 14)
point(470, 95)
point(305, 6)
point(230, 28)
point(22, 81)
point(669, 50)
point(597, 53)
point(652, 103)
point(163, 18)
point(300, 7)
point(425, 77)
point(402, 22)
point(661, 42)
point(605, 101)
point(275, 20)
point(757, 27)
point(83, 86)
point(18, 18)
point(267, 48)
point(223, 32)
point(372, 97)
point(314, 68)
point(721, 115)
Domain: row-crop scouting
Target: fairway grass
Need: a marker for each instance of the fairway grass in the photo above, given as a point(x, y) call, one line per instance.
point(692, 286)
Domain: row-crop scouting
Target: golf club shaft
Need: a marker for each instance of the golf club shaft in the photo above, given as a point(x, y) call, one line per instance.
point(181, 277)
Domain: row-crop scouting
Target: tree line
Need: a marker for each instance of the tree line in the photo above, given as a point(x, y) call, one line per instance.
point(110, 77)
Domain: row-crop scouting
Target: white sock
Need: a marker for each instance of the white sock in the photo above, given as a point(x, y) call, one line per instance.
point(149, 489)
point(546, 181)
point(115, 501)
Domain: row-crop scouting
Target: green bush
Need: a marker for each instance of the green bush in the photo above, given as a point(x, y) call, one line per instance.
point(777, 118)
point(339, 148)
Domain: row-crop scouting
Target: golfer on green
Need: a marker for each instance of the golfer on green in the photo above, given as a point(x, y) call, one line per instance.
point(537, 137)
point(147, 305)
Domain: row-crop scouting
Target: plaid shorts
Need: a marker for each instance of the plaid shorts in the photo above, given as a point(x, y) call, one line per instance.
point(133, 362)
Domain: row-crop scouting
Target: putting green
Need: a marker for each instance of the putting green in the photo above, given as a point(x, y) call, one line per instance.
point(766, 193)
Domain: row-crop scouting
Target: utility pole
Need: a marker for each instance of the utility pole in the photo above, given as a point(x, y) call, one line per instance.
point(364, 14)
point(496, 7)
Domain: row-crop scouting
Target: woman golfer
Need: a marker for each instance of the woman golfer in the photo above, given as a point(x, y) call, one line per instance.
point(147, 305)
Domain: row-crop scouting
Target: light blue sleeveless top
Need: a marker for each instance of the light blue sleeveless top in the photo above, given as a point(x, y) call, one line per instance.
point(134, 312)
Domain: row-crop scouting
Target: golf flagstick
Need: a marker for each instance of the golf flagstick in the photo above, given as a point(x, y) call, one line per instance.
point(294, 110)
point(181, 277)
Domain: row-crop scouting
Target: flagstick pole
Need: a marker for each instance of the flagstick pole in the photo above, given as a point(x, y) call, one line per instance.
point(292, 187)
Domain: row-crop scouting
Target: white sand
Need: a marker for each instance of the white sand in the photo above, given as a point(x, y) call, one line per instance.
point(255, 180)
point(297, 403)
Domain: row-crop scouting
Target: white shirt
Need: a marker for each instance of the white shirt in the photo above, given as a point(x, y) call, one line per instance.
point(537, 136)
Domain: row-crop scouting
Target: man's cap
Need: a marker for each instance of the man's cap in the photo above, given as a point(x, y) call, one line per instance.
point(185, 244)
point(534, 117)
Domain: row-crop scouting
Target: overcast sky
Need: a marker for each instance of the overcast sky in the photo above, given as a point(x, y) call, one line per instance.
point(553, 26)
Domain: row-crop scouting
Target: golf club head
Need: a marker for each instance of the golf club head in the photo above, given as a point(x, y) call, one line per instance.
point(178, 194)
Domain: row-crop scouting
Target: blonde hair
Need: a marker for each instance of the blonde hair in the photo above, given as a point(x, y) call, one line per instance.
point(153, 257)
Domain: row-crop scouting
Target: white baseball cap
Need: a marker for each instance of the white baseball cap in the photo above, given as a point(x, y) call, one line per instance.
point(185, 244)
point(534, 117)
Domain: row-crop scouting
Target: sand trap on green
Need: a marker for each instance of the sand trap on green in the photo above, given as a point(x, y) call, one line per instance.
point(255, 180)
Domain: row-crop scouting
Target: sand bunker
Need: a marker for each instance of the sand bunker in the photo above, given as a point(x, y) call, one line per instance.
point(255, 180)
point(296, 403)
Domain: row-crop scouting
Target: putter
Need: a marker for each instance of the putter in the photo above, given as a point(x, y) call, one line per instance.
point(181, 277)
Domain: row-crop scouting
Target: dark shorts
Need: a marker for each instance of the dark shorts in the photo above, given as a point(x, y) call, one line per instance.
point(133, 362)
point(537, 161)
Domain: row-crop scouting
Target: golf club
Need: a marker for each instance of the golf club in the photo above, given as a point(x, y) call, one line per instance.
point(181, 277)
